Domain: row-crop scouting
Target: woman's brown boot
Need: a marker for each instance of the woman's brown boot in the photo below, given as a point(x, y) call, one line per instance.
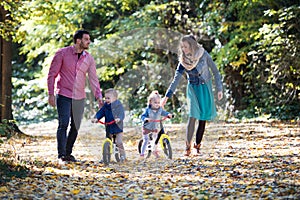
point(187, 150)
point(197, 147)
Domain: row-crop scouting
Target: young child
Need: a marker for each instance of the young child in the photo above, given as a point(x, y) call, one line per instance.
point(113, 110)
point(152, 112)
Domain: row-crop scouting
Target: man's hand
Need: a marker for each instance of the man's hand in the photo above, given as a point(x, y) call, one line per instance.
point(51, 100)
point(100, 102)
point(117, 120)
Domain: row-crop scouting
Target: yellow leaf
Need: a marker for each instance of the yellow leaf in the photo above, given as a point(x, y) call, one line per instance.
point(53, 177)
point(75, 192)
point(49, 169)
point(131, 190)
point(168, 197)
point(3, 189)
point(266, 193)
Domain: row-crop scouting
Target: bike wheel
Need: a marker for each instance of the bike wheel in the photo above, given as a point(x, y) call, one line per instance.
point(167, 147)
point(140, 146)
point(106, 152)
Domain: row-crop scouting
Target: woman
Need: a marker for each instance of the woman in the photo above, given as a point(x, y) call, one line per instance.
point(195, 61)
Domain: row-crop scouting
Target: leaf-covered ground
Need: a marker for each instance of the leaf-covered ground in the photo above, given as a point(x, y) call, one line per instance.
point(242, 160)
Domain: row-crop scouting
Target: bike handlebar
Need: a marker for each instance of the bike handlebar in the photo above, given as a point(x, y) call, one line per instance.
point(158, 120)
point(106, 123)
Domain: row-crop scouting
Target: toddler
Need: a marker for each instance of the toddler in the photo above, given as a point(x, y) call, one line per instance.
point(113, 110)
point(153, 112)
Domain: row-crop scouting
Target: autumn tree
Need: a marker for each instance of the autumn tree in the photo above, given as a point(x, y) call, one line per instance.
point(258, 45)
point(10, 13)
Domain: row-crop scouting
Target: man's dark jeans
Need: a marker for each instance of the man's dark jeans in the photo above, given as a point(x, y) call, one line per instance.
point(68, 109)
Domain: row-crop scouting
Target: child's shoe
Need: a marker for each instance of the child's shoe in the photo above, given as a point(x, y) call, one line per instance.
point(123, 159)
point(142, 157)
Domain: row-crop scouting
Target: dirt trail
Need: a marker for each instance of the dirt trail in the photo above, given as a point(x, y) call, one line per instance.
point(91, 136)
point(237, 160)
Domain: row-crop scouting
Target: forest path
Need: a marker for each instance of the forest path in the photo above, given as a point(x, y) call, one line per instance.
point(237, 160)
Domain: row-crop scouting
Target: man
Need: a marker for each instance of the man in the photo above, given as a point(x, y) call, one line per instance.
point(67, 74)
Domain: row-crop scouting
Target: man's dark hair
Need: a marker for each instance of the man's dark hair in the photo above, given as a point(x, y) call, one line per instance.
point(79, 35)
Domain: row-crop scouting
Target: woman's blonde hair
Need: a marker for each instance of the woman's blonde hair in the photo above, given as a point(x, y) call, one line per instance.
point(193, 44)
point(112, 91)
point(154, 95)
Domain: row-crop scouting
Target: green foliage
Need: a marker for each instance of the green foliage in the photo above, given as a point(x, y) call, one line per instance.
point(47, 29)
point(14, 12)
point(254, 43)
point(121, 25)
point(258, 57)
point(31, 102)
point(6, 130)
point(277, 44)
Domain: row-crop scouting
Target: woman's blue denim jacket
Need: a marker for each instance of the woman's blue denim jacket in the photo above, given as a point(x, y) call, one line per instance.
point(199, 75)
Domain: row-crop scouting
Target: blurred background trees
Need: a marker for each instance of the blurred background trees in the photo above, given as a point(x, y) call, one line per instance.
point(254, 44)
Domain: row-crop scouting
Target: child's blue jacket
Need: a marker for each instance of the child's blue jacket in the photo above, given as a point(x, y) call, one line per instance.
point(111, 112)
point(153, 114)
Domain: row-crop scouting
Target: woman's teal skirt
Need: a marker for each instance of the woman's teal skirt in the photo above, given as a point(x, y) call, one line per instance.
point(201, 103)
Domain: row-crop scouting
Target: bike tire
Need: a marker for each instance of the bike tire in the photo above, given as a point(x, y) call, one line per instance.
point(167, 147)
point(140, 146)
point(106, 152)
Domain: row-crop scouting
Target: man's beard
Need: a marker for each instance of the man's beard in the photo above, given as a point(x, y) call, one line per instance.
point(84, 47)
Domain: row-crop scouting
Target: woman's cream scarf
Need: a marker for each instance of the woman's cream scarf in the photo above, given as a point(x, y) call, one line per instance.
point(189, 61)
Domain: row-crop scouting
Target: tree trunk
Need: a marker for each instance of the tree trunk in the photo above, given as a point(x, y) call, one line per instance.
point(6, 85)
point(5, 79)
point(6, 74)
